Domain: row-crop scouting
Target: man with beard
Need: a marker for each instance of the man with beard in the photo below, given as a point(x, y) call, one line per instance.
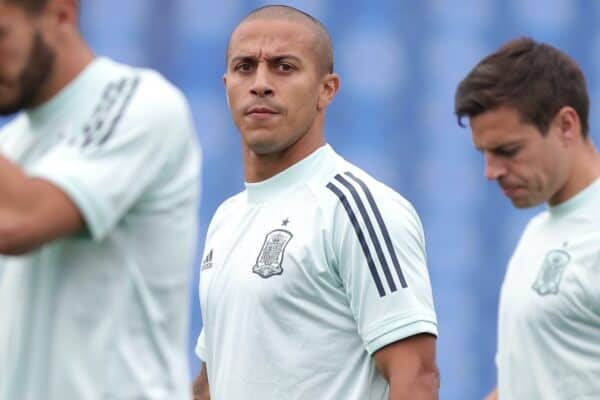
point(528, 107)
point(314, 282)
point(98, 196)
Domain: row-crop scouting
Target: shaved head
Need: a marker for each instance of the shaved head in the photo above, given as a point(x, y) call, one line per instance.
point(322, 46)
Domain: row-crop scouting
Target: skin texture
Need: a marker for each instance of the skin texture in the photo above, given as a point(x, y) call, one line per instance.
point(200, 387)
point(278, 91)
point(532, 168)
point(410, 368)
point(27, 61)
point(39, 55)
point(271, 68)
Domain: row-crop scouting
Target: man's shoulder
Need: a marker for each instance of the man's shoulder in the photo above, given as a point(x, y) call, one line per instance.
point(234, 202)
point(143, 88)
point(348, 194)
point(343, 179)
point(226, 213)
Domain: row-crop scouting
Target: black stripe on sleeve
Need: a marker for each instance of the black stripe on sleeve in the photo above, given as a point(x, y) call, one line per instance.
point(361, 237)
point(384, 230)
point(117, 117)
point(372, 234)
point(97, 118)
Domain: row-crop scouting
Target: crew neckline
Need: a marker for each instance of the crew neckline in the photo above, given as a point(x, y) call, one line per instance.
point(584, 196)
point(259, 192)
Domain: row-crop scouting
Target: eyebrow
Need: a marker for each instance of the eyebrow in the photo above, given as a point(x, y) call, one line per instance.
point(501, 147)
point(270, 59)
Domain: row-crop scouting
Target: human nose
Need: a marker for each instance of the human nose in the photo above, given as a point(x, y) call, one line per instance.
point(261, 87)
point(494, 167)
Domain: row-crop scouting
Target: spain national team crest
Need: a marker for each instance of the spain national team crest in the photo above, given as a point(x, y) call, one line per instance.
point(270, 257)
point(551, 272)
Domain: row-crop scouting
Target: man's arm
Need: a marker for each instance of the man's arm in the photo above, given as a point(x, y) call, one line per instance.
point(32, 211)
point(200, 388)
point(409, 367)
point(493, 395)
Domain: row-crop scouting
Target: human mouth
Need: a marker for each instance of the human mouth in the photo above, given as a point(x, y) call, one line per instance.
point(509, 190)
point(261, 112)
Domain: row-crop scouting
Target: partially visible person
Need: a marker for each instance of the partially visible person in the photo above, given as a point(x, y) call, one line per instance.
point(98, 196)
point(314, 282)
point(528, 107)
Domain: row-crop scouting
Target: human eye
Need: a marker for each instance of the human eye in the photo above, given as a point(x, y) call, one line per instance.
point(507, 151)
point(285, 67)
point(243, 67)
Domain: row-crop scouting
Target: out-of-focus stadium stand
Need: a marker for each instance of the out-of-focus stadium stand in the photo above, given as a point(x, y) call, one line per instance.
point(399, 61)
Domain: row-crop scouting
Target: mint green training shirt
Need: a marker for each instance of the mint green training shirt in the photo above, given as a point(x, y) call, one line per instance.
point(103, 314)
point(549, 319)
point(305, 276)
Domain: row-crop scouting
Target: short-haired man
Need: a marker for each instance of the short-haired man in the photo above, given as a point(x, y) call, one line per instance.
point(527, 105)
point(314, 282)
point(98, 198)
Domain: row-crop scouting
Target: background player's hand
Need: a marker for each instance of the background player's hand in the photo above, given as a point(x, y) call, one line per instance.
point(493, 395)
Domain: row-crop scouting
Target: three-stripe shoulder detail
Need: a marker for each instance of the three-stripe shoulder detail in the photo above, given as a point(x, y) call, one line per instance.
point(348, 183)
point(108, 112)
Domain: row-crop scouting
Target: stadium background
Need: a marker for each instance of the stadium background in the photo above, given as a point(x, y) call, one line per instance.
point(399, 62)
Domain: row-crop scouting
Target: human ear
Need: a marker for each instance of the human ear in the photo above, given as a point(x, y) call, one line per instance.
point(330, 84)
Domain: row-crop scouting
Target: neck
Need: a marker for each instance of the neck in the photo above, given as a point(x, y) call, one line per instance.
point(259, 167)
point(71, 59)
point(585, 170)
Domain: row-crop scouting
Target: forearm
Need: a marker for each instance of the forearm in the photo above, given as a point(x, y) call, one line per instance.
point(424, 386)
point(14, 207)
point(200, 388)
point(15, 190)
point(32, 211)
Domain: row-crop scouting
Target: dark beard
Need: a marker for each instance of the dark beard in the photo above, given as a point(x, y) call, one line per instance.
point(34, 75)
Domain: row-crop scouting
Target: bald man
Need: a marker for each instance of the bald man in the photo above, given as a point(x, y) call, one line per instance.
point(313, 281)
point(99, 176)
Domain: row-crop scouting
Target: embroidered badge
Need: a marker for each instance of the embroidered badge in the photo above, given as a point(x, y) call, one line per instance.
point(270, 257)
point(550, 274)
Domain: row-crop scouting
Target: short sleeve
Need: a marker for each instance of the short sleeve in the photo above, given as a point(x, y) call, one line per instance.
point(110, 163)
point(380, 247)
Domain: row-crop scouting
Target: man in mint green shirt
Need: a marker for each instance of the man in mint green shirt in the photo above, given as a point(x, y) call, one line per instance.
point(314, 280)
point(98, 196)
point(528, 107)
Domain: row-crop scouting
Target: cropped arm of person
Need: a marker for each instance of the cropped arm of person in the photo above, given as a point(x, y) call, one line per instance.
point(409, 367)
point(32, 211)
point(493, 395)
point(200, 387)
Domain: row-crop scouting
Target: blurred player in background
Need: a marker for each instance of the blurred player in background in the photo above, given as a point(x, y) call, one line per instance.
point(98, 195)
point(314, 282)
point(527, 105)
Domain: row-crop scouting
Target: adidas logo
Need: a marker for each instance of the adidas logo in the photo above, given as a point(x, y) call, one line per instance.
point(208, 261)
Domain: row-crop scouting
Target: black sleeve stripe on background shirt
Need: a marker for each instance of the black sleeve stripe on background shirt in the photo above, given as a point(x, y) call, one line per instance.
point(361, 237)
point(107, 113)
point(372, 234)
point(117, 118)
point(112, 92)
point(382, 226)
